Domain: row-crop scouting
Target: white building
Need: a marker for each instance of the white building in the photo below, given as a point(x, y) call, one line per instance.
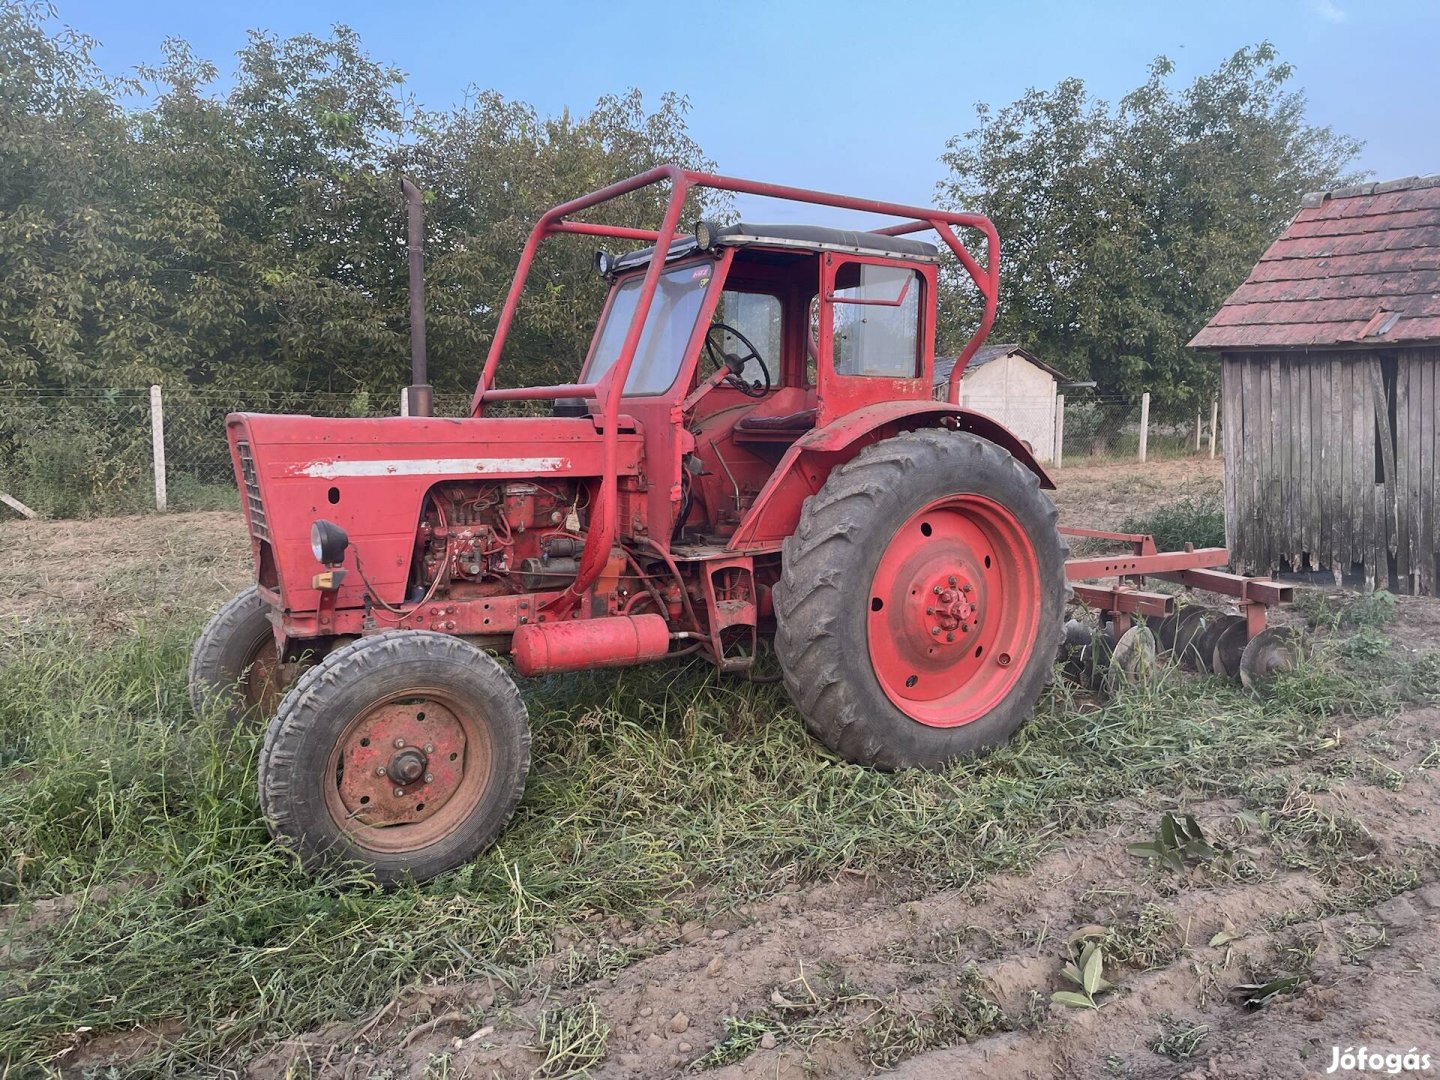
point(1012, 385)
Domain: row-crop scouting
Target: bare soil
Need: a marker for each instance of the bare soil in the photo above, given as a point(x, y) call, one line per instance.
point(1102, 496)
point(106, 574)
point(834, 970)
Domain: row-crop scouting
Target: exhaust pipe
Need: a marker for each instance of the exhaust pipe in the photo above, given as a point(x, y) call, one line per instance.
point(420, 395)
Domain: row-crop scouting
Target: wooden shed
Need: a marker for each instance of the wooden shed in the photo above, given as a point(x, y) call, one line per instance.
point(1330, 360)
point(1014, 386)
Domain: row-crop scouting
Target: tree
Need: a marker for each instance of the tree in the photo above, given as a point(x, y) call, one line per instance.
point(255, 238)
point(1124, 227)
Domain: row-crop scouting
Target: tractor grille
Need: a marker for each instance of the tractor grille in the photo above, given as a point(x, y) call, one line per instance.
point(258, 525)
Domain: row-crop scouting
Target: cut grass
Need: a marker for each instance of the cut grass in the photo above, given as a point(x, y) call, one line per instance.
point(648, 785)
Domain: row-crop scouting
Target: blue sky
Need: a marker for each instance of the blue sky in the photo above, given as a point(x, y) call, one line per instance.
point(849, 96)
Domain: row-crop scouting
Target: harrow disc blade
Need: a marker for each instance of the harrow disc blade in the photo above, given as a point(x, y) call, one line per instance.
point(1225, 659)
point(1274, 650)
point(1098, 656)
point(1165, 631)
point(1188, 628)
point(1215, 626)
point(1077, 634)
point(1074, 656)
point(1132, 661)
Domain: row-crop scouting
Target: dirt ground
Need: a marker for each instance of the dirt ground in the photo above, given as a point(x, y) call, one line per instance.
point(844, 948)
point(793, 987)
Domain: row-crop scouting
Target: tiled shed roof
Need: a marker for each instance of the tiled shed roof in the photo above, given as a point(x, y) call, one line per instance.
point(986, 353)
point(1357, 265)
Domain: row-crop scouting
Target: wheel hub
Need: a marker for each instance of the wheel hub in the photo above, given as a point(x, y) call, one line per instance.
point(953, 611)
point(402, 763)
point(408, 766)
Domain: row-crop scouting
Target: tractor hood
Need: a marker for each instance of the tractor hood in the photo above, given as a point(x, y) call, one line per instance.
point(370, 476)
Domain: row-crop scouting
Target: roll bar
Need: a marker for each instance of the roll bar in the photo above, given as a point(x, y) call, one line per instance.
point(610, 387)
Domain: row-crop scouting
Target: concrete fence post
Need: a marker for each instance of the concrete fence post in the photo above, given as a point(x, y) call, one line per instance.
point(1144, 423)
point(1214, 422)
point(157, 445)
point(404, 402)
point(1197, 431)
point(1059, 430)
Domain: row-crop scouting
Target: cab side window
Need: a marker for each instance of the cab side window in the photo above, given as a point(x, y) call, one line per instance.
point(875, 311)
point(759, 317)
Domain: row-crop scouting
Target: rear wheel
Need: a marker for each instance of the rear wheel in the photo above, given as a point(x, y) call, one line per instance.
point(235, 660)
point(921, 601)
point(405, 753)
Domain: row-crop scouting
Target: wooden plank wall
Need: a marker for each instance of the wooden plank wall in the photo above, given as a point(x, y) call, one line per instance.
point(1415, 467)
point(1302, 488)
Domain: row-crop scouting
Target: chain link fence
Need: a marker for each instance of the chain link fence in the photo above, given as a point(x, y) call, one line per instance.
point(1096, 428)
point(77, 453)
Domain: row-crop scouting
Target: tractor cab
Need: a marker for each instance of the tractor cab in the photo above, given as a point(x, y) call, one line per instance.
point(759, 334)
point(813, 321)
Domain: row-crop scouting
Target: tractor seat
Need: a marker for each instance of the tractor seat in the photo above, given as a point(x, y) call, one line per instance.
point(803, 420)
point(783, 417)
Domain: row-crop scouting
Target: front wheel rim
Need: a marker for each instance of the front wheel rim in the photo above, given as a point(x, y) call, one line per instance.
point(953, 610)
point(408, 771)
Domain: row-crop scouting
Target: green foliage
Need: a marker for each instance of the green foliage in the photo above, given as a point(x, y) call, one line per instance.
point(1177, 841)
point(1085, 969)
point(1194, 519)
point(1125, 226)
point(650, 787)
point(248, 232)
point(1325, 610)
point(76, 457)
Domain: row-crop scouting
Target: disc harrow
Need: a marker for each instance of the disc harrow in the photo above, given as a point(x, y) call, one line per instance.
point(1135, 628)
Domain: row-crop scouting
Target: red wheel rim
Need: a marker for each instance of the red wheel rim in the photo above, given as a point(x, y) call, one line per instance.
point(953, 610)
point(409, 770)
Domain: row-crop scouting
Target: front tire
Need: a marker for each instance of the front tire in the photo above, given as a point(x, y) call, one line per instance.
point(236, 660)
point(921, 599)
point(405, 753)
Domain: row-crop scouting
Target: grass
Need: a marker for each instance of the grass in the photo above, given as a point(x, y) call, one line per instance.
point(1194, 519)
point(147, 892)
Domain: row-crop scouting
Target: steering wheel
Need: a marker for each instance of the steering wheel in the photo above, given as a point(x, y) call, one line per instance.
point(721, 359)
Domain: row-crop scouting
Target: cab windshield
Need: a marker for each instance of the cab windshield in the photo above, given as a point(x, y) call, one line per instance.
point(668, 328)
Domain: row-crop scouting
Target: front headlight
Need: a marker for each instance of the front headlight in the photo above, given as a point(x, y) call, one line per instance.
point(328, 542)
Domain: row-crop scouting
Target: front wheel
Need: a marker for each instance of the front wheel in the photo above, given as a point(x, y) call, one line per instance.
point(921, 600)
point(235, 661)
point(404, 753)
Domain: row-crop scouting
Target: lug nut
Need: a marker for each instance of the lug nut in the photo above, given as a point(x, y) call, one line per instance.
point(399, 793)
point(429, 748)
point(935, 630)
point(429, 778)
point(399, 743)
point(952, 579)
point(949, 637)
point(929, 611)
point(380, 770)
point(937, 590)
point(967, 587)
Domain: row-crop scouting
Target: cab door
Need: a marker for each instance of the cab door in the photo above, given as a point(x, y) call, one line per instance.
point(876, 334)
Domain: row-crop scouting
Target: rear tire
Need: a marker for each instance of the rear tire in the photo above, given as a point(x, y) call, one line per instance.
point(235, 661)
point(404, 753)
point(921, 601)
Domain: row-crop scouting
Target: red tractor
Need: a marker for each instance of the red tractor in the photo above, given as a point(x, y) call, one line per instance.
point(751, 451)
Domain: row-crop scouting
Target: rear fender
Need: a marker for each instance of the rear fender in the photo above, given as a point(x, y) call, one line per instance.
point(807, 464)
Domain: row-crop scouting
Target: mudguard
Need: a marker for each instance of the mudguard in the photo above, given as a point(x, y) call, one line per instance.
point(808, 462)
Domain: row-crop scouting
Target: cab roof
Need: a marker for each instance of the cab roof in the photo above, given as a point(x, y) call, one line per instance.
point(802, 237)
